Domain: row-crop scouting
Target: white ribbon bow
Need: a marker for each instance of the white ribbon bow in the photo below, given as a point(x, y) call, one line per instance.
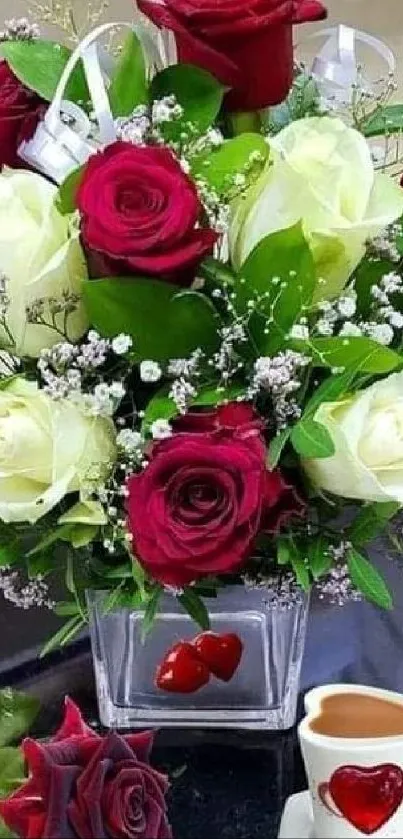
point(336, 68)
point(57, 148)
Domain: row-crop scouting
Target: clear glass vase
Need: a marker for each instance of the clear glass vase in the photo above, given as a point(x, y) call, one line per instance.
point(262, 694)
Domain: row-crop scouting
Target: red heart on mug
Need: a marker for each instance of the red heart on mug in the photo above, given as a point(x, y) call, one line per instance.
point(221, 653)
point(367, 796)
point(181, 670)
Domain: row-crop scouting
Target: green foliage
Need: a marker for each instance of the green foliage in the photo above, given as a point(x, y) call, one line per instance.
point(161, 406)
point(318, 556)
point(163, 320)
point(219, 167)
point(12, 773)
point(280, 272)
point(66, 634)
point(330, 390)
point(368, 580)
point(195, 607)
point(358, 354)
point(288, 553)
point(388, 119)
point(369, 272)
point(276, 447)
point(371, 521)
point(128, 86)
point(150, 611)
point(311, 439)
point(17, 713)
point(197, 91)
point(39, 65)
point(66, 196)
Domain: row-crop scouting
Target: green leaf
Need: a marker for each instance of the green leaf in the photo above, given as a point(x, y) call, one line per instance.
point(195, 607)
point(139, 577)
point(276, 447)
point(39, 65)
point(299, 567)
point(213, 395)
point(64, 635)
point(57, 535)
point(17, 713)
point(368, 580)
point(80, 535)
point(371, 521)
point(284, 550)
point(12, 770)
point(5, 833)
point(10, 554)
point(311, 439)
point(66, 610)
point(121, 571)
point(281, 272)
point(197, 91)
point(369, 273)
point(360, 354)
point(162, 407)
point(163, 320)
point(329, 391)
point(66, 196)
point(387, 120)
point(128, 87)
point(150, 612)
point(233, 158)
point(319, 557)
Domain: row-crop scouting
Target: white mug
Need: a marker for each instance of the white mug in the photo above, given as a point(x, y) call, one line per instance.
point(356, 784)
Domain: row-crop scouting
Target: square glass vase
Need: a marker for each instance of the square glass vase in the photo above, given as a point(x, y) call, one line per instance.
point(262, 694)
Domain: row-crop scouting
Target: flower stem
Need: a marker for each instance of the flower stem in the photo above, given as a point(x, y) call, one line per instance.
point(243, 122)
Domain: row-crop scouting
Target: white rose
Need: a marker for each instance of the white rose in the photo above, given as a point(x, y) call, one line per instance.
point(40, 258)
point(320, 172)
point(48, 449)
point(367, 431)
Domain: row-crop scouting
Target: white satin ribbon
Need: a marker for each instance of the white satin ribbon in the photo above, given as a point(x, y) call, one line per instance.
point(57, 148)
point(336, 68)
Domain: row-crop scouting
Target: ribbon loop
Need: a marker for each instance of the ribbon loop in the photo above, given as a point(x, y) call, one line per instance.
point(67, 138)
point(336, 68)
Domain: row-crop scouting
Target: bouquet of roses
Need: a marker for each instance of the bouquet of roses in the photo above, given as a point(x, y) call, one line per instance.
point(202, 325)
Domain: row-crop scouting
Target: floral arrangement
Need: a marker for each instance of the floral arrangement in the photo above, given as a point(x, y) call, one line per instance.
point(79, 783)
point(201, 327)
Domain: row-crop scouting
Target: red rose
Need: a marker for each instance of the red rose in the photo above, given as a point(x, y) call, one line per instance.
point(197, 507)
point(246, 44)
point(85, 786)
point(141, 212)
point(20, 112)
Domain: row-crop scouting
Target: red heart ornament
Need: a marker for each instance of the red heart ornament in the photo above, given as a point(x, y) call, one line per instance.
point(367, 796)
point(221, 653)
point(181, 670)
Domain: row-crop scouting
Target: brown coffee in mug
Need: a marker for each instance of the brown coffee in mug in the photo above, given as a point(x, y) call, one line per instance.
point(358, 715)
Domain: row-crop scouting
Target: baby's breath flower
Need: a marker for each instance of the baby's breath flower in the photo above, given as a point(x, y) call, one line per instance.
point(161, 429)
point(122, 344)
point(150, 372)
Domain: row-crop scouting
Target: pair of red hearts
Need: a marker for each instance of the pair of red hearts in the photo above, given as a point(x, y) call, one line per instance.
point(187, 666)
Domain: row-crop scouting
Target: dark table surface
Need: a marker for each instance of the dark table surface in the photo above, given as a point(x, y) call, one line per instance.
point(231, 785)
point(225, 784)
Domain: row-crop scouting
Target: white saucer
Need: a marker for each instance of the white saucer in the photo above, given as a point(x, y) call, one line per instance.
point(297, 818)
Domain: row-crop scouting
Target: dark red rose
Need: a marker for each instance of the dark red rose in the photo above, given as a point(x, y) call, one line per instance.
point(198, 506)
point(140, 213)
point(84, 786)
point(20, 112)
point(246, 44)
